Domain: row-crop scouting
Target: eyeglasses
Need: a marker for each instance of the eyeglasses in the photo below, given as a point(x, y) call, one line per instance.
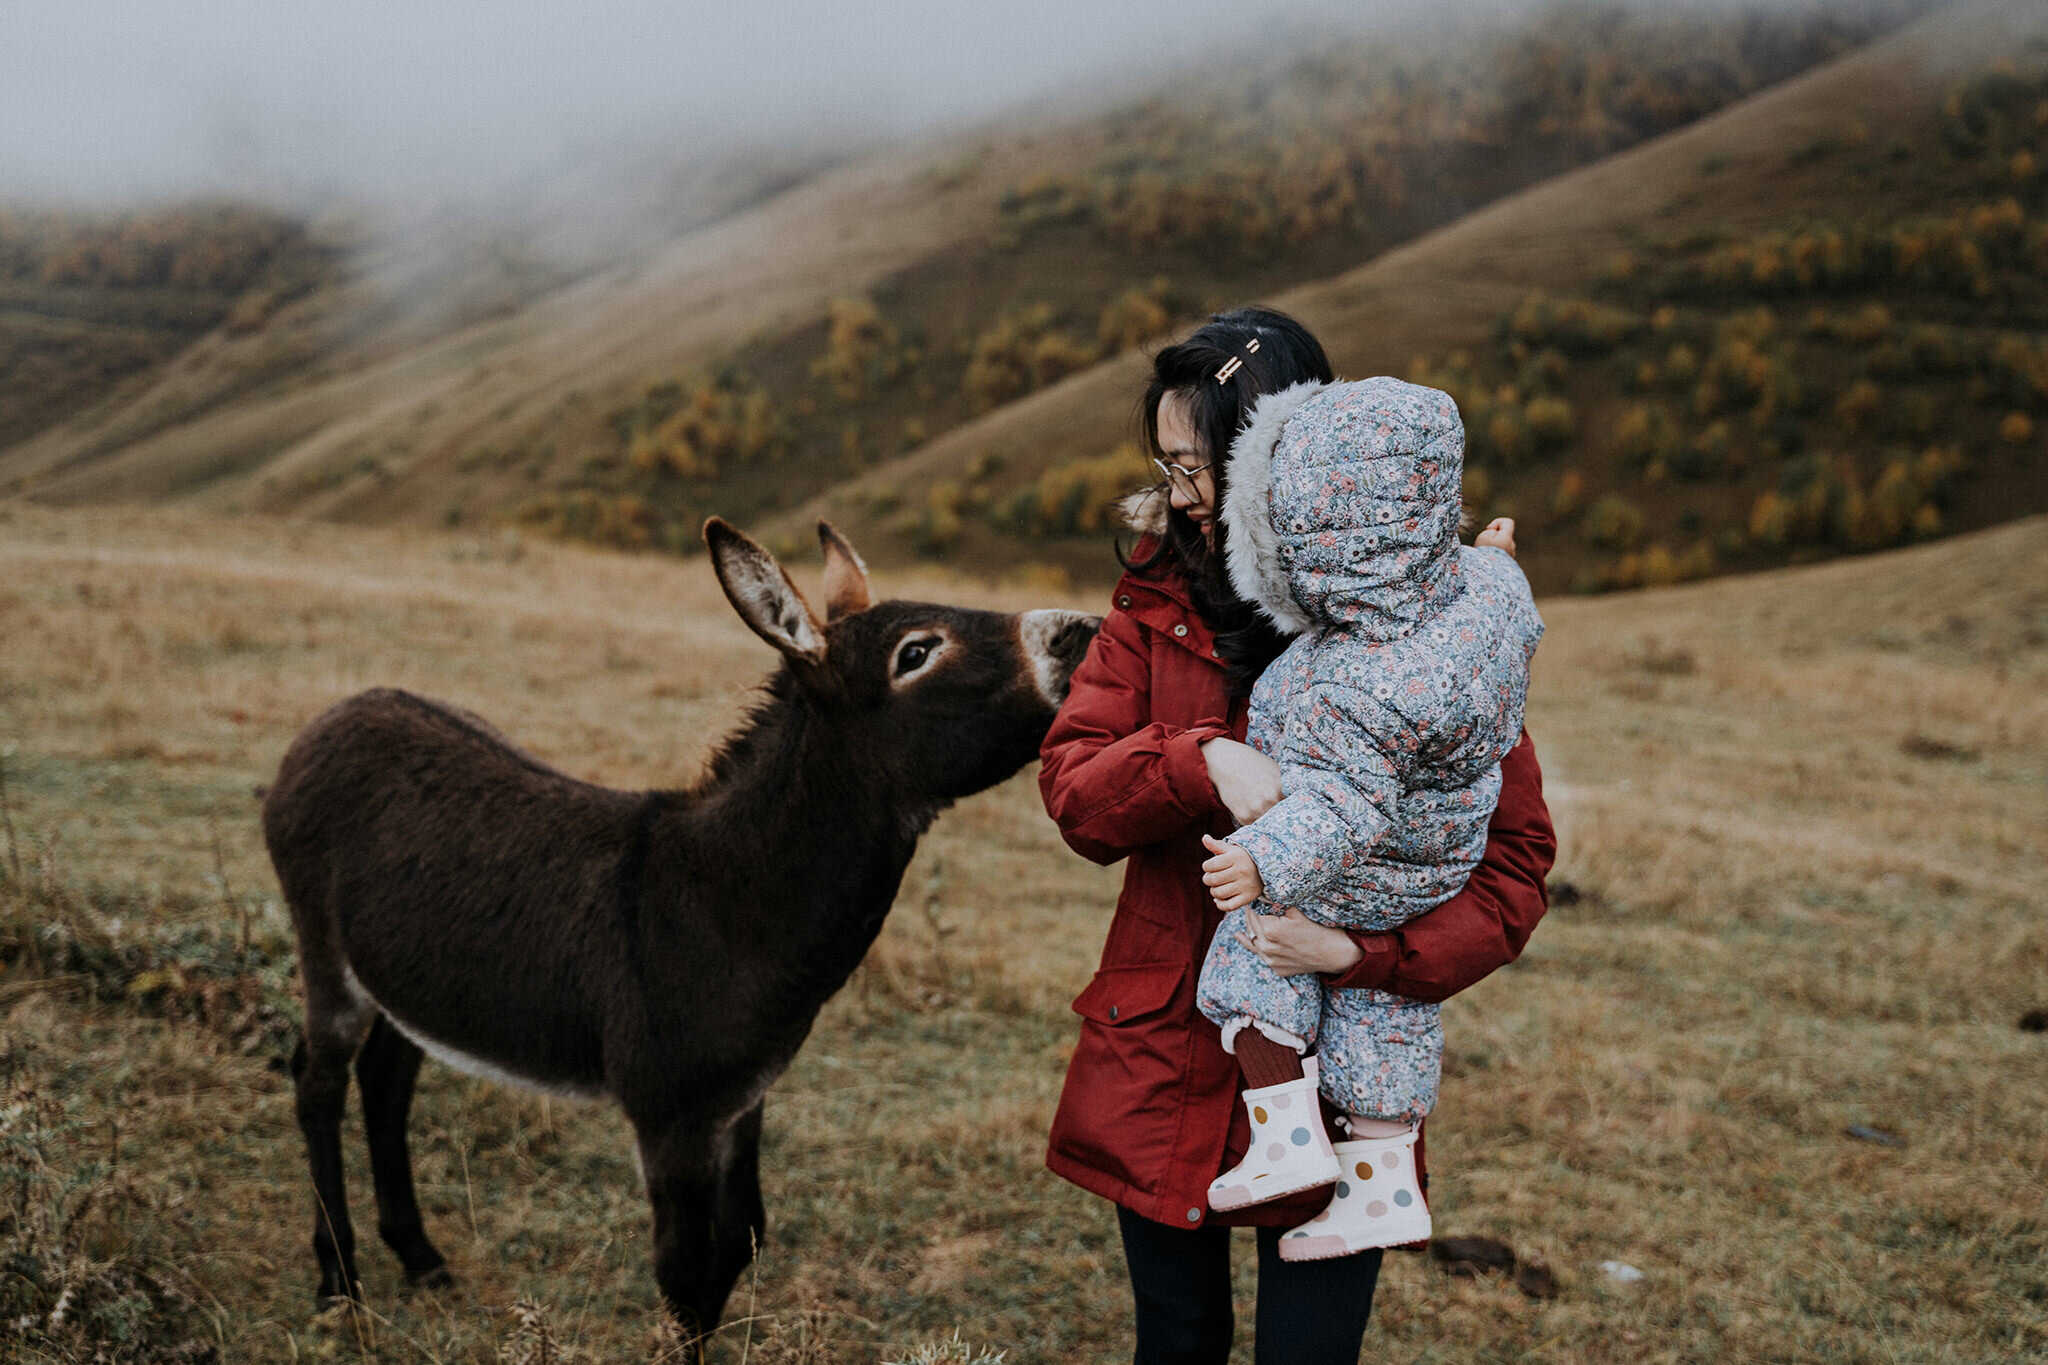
point(1181, 478)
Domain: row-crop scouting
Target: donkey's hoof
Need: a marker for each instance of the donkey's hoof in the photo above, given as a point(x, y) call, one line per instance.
point(434, 1277)
point(327, 1298)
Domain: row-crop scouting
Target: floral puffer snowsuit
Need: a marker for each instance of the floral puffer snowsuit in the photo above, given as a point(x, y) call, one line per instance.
point(1389, 714)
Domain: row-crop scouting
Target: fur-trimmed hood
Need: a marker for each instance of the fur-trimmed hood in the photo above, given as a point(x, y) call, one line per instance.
point(1342, 505)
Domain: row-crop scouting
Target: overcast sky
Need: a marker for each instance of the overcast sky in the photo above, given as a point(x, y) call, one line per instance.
point(106, 98)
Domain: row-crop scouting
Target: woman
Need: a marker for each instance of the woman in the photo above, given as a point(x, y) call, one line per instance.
point(1145, 758)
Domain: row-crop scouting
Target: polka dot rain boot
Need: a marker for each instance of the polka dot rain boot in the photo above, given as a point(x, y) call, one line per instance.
point(1378, 1203)
point(1290, 1150)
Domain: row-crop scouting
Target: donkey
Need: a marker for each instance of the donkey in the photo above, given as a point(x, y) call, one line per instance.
point(665, 950)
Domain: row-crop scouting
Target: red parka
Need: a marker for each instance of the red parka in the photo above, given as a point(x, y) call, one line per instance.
point(1150, 1115)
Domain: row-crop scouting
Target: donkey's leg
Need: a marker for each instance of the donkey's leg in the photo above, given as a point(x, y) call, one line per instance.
point(320, 1068)
point(742, 1220)
point(685, 1167)
point(386, 1068)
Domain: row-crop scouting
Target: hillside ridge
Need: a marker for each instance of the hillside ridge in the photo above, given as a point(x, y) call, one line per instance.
point(1452, 287)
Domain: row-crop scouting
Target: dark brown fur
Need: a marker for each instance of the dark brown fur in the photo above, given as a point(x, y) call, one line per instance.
point(667, 950)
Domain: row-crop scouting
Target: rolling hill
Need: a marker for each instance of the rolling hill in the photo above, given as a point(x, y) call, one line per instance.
point(1877, 141)
point(815, 337)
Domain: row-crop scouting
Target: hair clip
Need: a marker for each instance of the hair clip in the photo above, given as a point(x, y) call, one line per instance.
point(1236, 363)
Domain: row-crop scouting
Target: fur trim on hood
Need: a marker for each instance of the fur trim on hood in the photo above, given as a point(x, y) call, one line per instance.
point(1145, 511)
point(1252, 546)
point(1342, 506)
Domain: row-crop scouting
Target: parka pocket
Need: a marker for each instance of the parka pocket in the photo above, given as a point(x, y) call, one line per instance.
point(1120, 1112)
point(1124, 994)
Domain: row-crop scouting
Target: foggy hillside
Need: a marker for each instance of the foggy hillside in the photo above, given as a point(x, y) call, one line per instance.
point(674, 327)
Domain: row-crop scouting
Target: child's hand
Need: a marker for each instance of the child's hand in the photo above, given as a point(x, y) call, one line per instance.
point(1499, 534)
point(1231, 876)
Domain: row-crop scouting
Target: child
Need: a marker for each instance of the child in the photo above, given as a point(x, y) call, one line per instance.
point(1389, 715)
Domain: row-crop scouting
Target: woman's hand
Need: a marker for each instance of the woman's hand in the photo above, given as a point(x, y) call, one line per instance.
point(1293, 944)
point(1247, 781)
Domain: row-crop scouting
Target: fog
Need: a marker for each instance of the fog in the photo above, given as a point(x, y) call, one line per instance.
point(121, 99)
point(570, 134)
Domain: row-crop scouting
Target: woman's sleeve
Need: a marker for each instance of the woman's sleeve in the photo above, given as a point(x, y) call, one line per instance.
point(1483, 927)
point(1111, 782)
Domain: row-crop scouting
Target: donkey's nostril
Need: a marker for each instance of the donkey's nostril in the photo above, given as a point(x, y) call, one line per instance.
point(1054, 644)
point(1072, 641)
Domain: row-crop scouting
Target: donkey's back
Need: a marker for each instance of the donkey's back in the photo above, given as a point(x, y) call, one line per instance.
point(439, 873)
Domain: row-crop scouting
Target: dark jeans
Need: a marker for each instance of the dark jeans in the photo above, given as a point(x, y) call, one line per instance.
point(1310, 1312)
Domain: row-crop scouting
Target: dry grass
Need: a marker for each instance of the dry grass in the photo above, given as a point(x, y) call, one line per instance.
point(1803, 814)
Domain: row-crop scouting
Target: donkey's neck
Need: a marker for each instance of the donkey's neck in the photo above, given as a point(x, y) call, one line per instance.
point(804, 840)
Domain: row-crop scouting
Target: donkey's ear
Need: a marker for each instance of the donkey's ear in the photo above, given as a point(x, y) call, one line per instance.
point(846, 577)
point(762, 593)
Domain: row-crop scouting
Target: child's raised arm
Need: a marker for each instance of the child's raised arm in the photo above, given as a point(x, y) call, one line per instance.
point(1498, 535)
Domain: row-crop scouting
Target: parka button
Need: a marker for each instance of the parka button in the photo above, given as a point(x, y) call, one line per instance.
point(1112, 1014)
point(1194, 1215)
point(1124, 601)
point(1180, 630)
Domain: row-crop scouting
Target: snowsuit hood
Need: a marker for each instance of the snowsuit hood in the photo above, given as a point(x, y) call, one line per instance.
point(1342, 505)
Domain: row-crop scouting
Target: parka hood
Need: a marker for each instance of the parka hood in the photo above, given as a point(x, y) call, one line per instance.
point(1342, 505)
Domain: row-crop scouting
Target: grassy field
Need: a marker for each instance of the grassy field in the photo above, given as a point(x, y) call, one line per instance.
point(1803, 816)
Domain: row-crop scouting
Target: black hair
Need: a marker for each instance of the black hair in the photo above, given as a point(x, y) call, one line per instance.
point(1287, 354)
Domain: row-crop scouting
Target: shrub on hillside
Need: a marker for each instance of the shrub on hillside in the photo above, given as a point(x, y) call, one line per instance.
point(1507, 435)
point(1456, 377)
point(1858, 405)
point(1569, 497)
point(2019, 369)
point(1823, 500)
point(1750, 364)
point(1643, 435)
point(1613, 523)
point(619, 521)
point(692, 426)
point(1868, 326)
point(1577, 326)
point(863, 350)
point(1654, 567)
point(1935, 350)
point(1681, 365)
point(1076, 497)
point(1477, 490)
point(1022, 352)
point(220, 248)
point(1133, 317)
point(1550, 420)
point(1703, 457)
point(934, 528)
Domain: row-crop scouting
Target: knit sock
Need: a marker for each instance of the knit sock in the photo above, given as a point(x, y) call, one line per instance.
point(1266, 1062)
point(1359, 1126)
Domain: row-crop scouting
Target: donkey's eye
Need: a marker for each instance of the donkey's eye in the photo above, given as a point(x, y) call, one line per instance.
point(912, 656)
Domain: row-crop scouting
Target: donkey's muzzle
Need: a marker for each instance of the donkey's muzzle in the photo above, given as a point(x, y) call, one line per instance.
point(1055, 642)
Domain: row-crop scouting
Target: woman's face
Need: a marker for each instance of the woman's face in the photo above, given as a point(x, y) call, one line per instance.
point(1179, 445)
